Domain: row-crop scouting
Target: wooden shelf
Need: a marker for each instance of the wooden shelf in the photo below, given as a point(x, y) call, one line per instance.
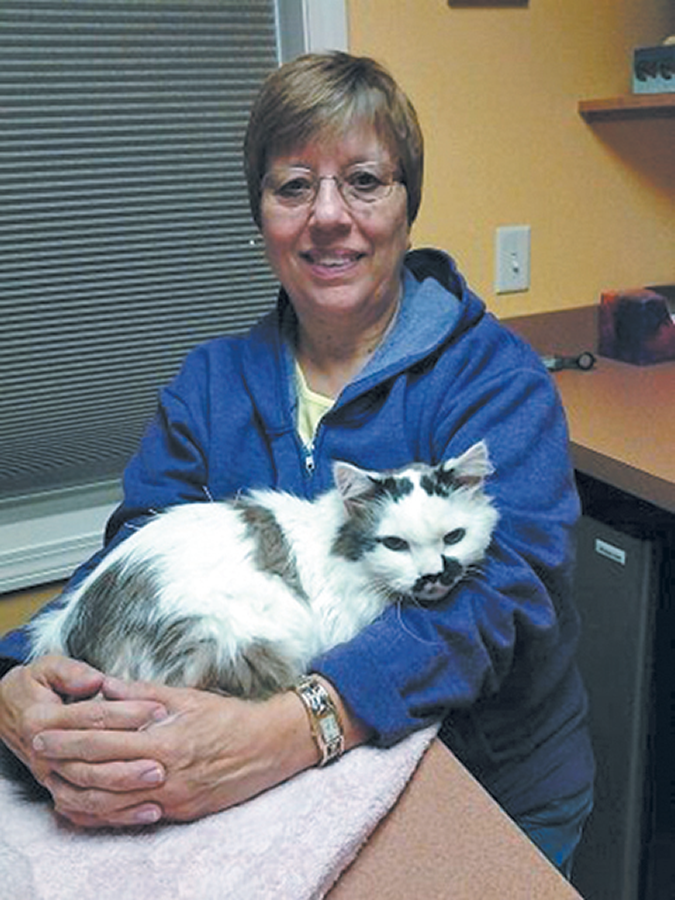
point(630, 106)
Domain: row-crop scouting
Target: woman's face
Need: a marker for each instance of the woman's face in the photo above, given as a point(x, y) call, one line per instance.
point(334, 258)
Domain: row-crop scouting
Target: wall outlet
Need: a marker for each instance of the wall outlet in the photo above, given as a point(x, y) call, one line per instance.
point(512, 259)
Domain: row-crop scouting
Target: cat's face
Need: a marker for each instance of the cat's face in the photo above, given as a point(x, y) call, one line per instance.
point(420, 530)
point(424, 544)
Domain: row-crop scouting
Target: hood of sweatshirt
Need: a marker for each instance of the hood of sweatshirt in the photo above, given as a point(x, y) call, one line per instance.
point(437, 307)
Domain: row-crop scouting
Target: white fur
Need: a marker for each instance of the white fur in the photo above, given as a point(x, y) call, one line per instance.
point(202, 561)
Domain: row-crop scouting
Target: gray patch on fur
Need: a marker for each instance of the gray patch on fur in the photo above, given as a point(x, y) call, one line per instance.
point(260, 672)
point(116, 627)
point(395, 486)
point(356, 536)
point(273, 552)
point(118, 605)
point(440, 484)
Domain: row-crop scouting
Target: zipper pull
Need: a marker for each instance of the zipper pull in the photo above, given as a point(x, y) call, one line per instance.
point(309, 458)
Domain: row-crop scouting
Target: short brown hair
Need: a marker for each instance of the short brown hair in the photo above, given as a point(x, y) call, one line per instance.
point(323, 94)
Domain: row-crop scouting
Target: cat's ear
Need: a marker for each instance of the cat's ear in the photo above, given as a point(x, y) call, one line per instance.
point(353, 484)
point(471, 468)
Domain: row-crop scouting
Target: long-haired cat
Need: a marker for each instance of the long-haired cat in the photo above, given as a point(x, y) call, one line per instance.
point(238, 596)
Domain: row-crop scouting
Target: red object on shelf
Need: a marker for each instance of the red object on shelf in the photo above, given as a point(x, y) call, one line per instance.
point(638, 326)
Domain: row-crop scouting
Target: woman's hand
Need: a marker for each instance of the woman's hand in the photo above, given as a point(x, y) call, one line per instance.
point(33, 702)
point(210, 752)
point(215, 752)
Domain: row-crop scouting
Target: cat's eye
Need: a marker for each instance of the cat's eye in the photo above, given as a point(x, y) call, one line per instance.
point(394, 543)
point(454, 537)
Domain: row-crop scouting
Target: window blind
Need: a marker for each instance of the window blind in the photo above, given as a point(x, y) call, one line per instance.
point(125, 233)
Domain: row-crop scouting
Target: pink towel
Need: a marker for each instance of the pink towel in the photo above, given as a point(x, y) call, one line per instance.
point(290, 843)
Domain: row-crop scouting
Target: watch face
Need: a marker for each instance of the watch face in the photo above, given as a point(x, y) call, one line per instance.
point(330, 728)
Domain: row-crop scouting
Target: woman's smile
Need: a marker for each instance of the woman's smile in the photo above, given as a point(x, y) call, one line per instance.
point(332, 263)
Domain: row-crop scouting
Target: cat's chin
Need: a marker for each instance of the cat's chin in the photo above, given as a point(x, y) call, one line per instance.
point(432, 595)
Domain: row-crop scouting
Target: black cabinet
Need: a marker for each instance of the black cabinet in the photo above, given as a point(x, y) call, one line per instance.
point(616, 598)
point(627, 659)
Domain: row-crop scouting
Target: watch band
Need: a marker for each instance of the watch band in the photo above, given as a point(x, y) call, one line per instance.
point(324, 719)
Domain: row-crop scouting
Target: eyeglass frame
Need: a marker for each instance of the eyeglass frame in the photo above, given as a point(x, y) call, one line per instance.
point(352, 200)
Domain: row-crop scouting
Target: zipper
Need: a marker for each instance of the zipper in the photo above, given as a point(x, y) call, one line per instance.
point(309, 452)
point(309, 459)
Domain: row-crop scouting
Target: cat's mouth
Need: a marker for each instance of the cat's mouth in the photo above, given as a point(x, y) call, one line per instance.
point(432, 588)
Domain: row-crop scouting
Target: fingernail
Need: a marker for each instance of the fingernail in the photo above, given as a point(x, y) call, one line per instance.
point(153, 776)
point(39, 743)
point(147, 815)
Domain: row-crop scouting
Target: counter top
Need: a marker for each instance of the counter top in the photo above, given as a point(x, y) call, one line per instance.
point(621, 416)
point(447, 838)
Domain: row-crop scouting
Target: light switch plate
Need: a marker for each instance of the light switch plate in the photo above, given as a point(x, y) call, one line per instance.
point(512, 259)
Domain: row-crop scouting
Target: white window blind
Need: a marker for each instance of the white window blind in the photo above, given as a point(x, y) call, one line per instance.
point(125, 234)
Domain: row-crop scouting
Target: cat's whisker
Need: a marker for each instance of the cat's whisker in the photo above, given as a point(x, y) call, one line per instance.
point(404, 627)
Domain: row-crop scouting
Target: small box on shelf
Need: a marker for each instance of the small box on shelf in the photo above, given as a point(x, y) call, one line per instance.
point(638, 326)
point(654, 70)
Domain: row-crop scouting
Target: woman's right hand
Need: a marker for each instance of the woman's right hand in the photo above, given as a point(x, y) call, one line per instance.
point(33, 700)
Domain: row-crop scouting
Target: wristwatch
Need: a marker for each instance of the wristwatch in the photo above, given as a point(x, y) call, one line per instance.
point(324, 719)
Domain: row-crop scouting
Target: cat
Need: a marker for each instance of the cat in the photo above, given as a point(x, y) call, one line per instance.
point(238, 596)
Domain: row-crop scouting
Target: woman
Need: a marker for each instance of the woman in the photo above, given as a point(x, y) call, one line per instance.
point(381, 357)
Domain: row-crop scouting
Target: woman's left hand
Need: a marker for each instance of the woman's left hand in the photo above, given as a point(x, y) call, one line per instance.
point(213, 751)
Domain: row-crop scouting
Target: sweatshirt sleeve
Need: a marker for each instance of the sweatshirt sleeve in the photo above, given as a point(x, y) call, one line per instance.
point(506, 635)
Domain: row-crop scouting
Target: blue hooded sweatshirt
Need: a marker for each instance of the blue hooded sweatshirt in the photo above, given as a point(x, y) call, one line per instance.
point(495, 665)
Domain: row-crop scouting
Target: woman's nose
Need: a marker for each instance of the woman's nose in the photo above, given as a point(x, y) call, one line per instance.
point(329, 204)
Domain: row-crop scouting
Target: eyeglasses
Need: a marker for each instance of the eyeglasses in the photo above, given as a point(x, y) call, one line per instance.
point(360, 186)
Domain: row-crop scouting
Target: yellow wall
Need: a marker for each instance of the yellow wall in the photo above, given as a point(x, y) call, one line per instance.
point(17, 607)
point(497, 91)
